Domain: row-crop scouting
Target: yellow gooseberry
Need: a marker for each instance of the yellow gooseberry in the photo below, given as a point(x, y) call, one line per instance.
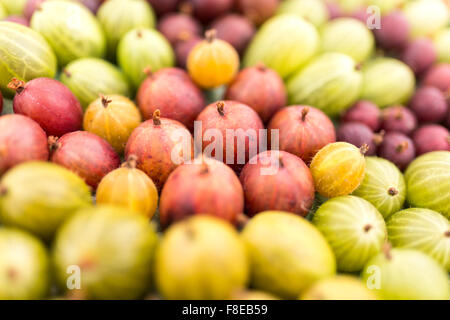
point(212, 62)
point(113, 118)
point(129, 187)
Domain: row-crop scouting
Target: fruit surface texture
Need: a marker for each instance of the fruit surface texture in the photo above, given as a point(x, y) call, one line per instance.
point(203, 272)
point(24, 266)
point(284, 43)
point(383, 186)
point(392, 273)
point(428, 182)
point(421, 229)
point(113, 118)
point(52, 194)
point(160, 145)
point(387, 81)
point(129, 187)
point(334, 38)
point(231, 132)
point(282, 175)
point(24, 55)
point(302, 130)
point(70, 29)
point(365, 112)
point(287, 253)
point(339, 288)
point(313, 11)
point(87, 78)
point(86, 154)
point(117, 17)
point(172, 92)
point(113, 264)
point(338, 169)
point(260, 88)
point(332, 82)
point(212, 62)
point(15, 149)
point(143, 49)
point(204, 186)
point(48, 102)
point(354, 229)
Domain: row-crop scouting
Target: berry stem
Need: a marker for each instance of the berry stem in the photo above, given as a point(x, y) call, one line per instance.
point(147, 71)
point(399, 114)
point(184, 36)
point(53, 143)
point(280, 162)
point(305, 112)
point(105, 101)
point(157, 117)
point(211, 35)
point(16, 85)
point(186, 8)
point(205, 169)
point(67, 73)
point(261, 66)
point(378, 137)
point(367, 228)
point(221, 108)
point(242, 220)
point(364, 148)
point(131, 162)
point(392, 191)
point(402, 147)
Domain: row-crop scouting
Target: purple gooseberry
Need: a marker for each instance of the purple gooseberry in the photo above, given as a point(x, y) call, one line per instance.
point(365, 112)
point(399, 119)
point(429, 105)
point(431, 137)
point(397, 148)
